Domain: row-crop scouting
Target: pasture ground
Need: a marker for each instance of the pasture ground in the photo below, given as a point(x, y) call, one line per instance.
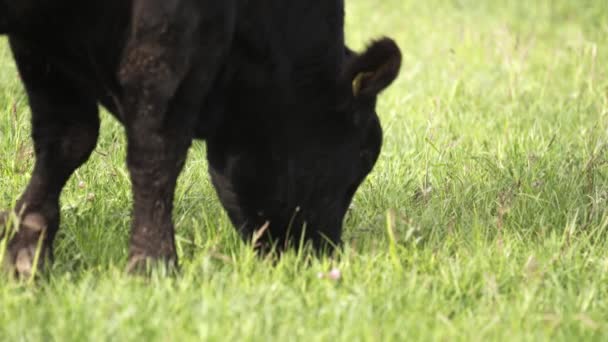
point(493, 184)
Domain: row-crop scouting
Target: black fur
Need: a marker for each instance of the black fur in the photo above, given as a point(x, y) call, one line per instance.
point(267, 84)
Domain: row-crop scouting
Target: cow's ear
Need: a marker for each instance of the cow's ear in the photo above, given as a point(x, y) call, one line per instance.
point(375, 69)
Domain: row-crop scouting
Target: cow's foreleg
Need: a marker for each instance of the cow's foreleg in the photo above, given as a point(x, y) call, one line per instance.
point(65, 126)
point(167, 68)
point(155, 157)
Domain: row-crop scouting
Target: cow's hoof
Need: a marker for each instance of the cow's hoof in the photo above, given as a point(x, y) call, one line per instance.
point(141, 264)
point(25, 252)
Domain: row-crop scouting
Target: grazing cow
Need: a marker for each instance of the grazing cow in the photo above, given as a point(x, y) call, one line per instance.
point(287, 111)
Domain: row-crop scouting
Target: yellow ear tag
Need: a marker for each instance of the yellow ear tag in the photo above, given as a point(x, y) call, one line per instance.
point(357, 82)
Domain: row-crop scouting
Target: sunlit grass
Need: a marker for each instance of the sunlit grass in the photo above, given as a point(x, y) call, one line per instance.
point(485, 217)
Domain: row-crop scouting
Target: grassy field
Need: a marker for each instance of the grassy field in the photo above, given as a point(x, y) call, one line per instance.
point(493, 184)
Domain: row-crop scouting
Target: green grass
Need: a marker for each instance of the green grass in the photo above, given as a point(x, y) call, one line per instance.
point(493, 182)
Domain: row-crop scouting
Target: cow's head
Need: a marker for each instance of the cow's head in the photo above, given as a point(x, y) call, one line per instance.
point(294, 176)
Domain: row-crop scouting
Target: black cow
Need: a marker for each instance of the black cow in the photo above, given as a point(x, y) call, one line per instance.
point(287, 111)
